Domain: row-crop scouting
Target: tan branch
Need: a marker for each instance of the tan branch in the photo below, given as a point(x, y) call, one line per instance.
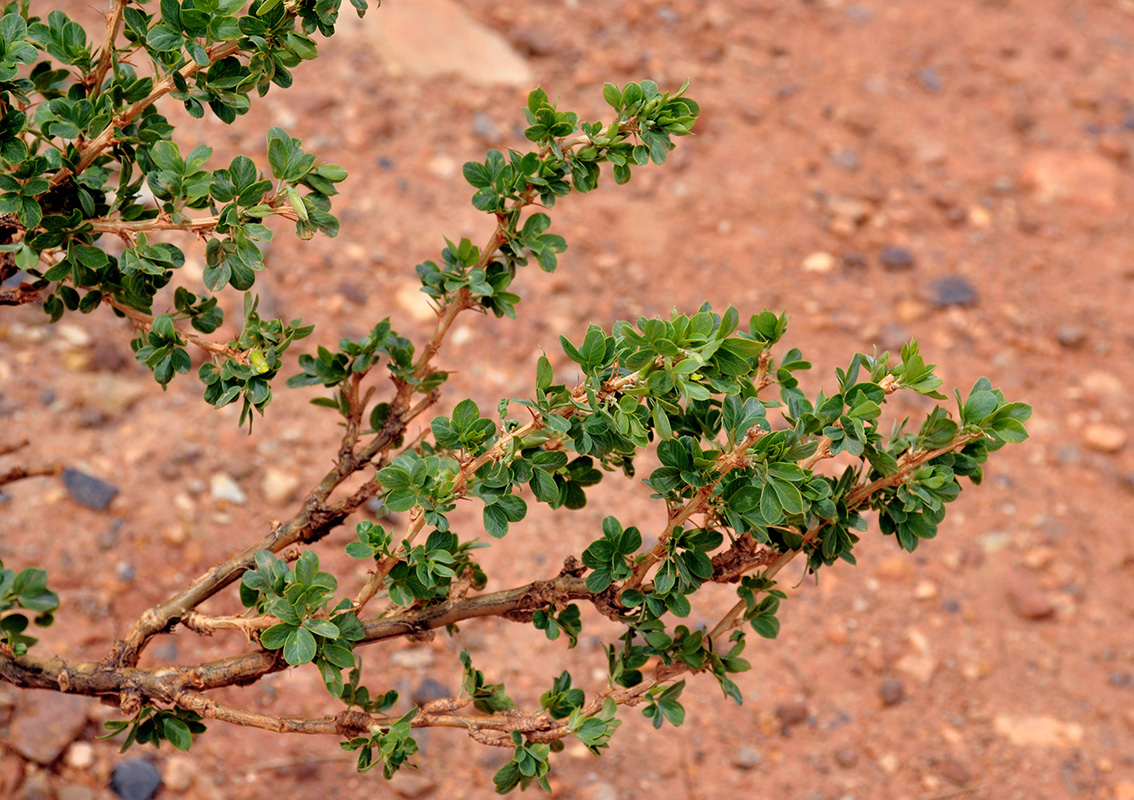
point(106, 55)
point(199, 225)
point(700, 502)
point(106, 138)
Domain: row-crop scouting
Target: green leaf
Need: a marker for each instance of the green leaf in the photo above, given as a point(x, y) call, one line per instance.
point(322, 627)
point(276, 636)
point(613, 96)
point(299, 647)
point(177, 732)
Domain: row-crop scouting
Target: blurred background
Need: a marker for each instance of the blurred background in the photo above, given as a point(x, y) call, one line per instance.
point(956, 173)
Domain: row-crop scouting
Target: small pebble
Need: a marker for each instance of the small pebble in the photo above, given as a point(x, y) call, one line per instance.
point(952, 290)
point(80, 755)
point(892, 692)
point(136, 779)
point(1104, 438)
point(178, 773)
point(1071, 336)
point(1028, 600)
point(223, 488)
point(896, 258)
point(846, 159)
point(1122, 680)
point(846, 757)
point(853, 260)
point(930, 79)
point(954, 771)
point(87, 490)
point(925, 590)
point(278, 487)
point(747, 758)
point(791, 714)
point(818, 262)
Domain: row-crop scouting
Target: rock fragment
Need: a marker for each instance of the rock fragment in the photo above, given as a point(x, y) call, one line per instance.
point(892, 692)
point(1027, 599)
point(45, 723)
point(1037, 731)
point(136, 779)
point(1104, 438)
point(896, 258)
point(87, 490)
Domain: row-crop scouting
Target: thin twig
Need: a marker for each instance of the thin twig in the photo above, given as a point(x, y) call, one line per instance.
point(19, 473)
point(143, 321)
point(701, 501)
point(106, 55)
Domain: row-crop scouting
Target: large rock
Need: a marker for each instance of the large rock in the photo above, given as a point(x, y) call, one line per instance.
point(434, 38)
point(45, 723)
point(1076, 178)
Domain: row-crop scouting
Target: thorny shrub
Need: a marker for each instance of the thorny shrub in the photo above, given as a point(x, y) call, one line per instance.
point(707, 398)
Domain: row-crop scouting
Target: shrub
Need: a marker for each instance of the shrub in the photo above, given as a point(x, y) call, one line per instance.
point(742, 459)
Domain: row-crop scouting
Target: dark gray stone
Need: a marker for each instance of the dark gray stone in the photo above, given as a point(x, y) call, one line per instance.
point(87, 490)
point(136, 779)
point(952, 290)
point(893, 257)
point(930, 79)
point(892, 692)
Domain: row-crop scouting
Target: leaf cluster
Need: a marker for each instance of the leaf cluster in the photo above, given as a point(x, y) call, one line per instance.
point(27, 590)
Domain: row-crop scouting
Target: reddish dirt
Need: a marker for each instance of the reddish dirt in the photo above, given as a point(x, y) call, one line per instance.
point(990, 140)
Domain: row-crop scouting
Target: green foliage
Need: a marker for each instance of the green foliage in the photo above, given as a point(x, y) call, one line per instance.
point(27, 590)
point(731, 440)
point(486, 697)
point(153, 726)
point(308, 630)
point(608, 558)
point(529, 765)
point(663, 705)
point(74, 171)
point(391, 746)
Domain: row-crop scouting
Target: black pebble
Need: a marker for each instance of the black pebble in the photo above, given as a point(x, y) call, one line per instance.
point(892, 692)
point(136, 779)
point(952, 290)
point(896, 258)
point(88, 490)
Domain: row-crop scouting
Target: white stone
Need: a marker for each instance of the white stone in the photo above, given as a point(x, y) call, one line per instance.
point(819, 262)
point(277, 486)
point(80, 755)
point(223, 488)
